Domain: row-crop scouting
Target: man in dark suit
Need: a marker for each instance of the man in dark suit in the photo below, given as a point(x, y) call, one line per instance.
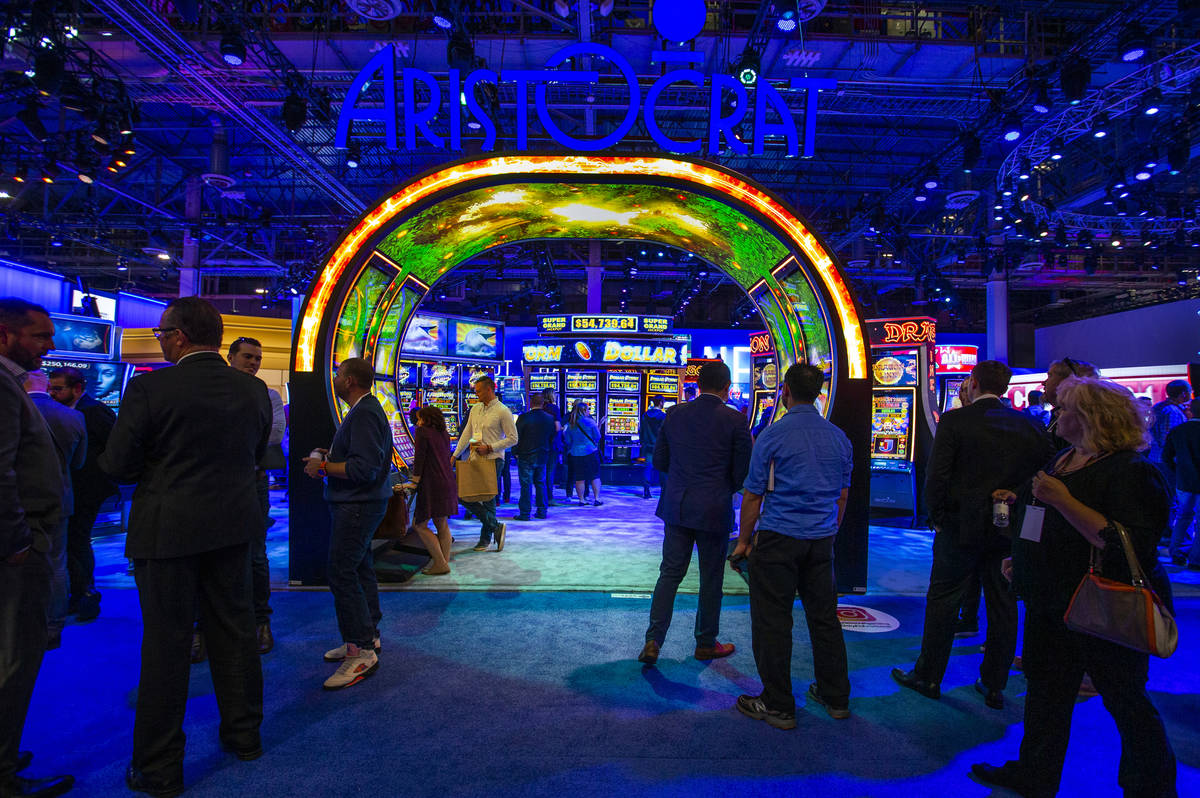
point(31, 494)
point(70, 439)
point(92, 486)
point(652, 421)
point(977, 449)
point(191, 437)
point(704, 449)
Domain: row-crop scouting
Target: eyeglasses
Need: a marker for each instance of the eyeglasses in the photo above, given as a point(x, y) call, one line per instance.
point(159, 332)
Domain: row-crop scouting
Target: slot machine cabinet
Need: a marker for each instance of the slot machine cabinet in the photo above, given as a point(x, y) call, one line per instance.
point(903, 412)
point(954, 364)
point(622, 413)
point(765, 380)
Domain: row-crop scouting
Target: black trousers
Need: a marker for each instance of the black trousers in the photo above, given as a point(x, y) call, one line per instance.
point(1054, 661)
point(260, 568)
point(954, 566)
point(168, 591)
point(81, 561)
point(780, 568)
point(24, 608)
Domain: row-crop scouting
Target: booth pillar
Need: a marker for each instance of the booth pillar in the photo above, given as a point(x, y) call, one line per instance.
point(595, 278)
point(997, 316)
point(189, 271)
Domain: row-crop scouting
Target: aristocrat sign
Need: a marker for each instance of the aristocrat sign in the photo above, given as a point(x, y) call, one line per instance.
point(727, 102)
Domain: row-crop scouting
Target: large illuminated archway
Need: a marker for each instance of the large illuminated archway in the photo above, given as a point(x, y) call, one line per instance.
point(362, 300)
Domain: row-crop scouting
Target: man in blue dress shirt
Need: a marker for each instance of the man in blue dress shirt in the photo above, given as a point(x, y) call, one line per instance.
point(796, 494)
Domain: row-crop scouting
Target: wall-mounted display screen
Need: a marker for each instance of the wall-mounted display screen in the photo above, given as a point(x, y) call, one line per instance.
point(105, 307)
point(473, 339)
point(891, 423)
point(582, 381)
point(624, 382)
point(426, 335)
point(83, 337)
point(104, 382)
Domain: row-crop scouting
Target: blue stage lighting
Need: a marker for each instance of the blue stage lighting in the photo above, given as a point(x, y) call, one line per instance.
point(1012, 127)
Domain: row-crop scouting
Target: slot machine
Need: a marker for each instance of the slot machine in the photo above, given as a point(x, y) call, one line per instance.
point(765, 380)
point(622, 414)
point(662, 382)
point(408, 384)
point(509, 391)
point(954, 364)
point(468, 374)
point(541, 379)
point(903, 411)
point(439, 387)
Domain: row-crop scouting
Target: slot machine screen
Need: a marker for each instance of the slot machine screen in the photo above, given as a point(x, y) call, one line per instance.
point(470, 374)
point(83, 337)
point(622, 416)
point(104, 382)
point(951, 386)
point(541, 380)
point(662, 383)
point(895, 369)
point(624, 382)
point(582, 382)
point(891, 423)
point(589, 401)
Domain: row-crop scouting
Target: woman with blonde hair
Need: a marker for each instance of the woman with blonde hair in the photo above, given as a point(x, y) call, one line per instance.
point(1098, 481)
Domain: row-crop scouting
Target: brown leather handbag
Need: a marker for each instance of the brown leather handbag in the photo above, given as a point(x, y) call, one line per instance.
point(1129, 615)
point(396, 520)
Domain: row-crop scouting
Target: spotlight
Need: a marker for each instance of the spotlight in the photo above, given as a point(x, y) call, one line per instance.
point(747, 67)
point(233, 49)
point(1025, 170)
point(443, 15)
point(295, 112)
point(21, 174)
point(1056, 149)
point(460, 52)
point(921, 195)
point(1074, 76)
point(49, 172)
point(1042, 104)
point(1100, 126)
point(1152, 102)
point(28, 116)
point(972, 151)
point(1012, 126)
point(931, 181)
point(787, 21)
point(122, 266)
point(1142, 174)
point(1132, 43)
point(48, 72)
point(1178, 154)
point(1024, 196)
point(353, 155)
point(87, 175)
point(1060, 235)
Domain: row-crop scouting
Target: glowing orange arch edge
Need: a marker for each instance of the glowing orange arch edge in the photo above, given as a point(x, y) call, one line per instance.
point(455, 176)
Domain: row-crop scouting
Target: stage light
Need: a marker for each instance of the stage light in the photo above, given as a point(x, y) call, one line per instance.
point(122, 266)
point(48, 72)
point(126, 126)
point(163, 256)
point(443, 15)
point(87, 175)
point(920, 196)
point(28, 116)
point(1012, 126)
point(49, 172)
point(931, 181)
point(1060, 235)
point(747, 67)
point(1041, 105)
point(1100, 126)
point(21, 174)
point(972, 151)
point(1142, 174)
point(1152, 102)
point(295, 112)
point(1024, 196)
point(460, 52)
point(1056, 149)
point(1116, 242)
point(233, 49)
point(1025, 170)
point(787, 21)
point(1178, 154)
point(353, 155)
point(1074, 76)
point(55, 241)
point(1132, 43)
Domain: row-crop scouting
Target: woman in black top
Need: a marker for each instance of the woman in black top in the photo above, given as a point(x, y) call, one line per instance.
point(1098, 479)
point(437, 492)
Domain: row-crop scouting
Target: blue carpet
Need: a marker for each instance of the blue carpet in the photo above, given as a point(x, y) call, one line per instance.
point(529, 694)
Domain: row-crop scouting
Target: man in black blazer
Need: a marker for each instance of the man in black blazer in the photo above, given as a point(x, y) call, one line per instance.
point(977, 449)
point(704, 449)
point(191, 437)
point(92, 487)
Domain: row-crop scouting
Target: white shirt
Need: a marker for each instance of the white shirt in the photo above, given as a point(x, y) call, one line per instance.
point(491, 424)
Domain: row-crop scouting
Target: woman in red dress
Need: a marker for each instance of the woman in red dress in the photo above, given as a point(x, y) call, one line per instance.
point(437, 492)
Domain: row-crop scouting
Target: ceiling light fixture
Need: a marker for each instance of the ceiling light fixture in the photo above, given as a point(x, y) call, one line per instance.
point(1012, 126)
point(233, 48)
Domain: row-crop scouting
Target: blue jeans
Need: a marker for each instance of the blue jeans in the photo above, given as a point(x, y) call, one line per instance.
point(486, 513)
point(677, 555)
point(1182, 543)
point(650, 475)
point(352, 569)
point(531, 472)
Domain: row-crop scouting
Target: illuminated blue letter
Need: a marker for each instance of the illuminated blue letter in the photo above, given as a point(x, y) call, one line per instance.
point(811, 87)
point(766, 93)
point(414, 119)
point(717, 124)
point(384, 61)
point(522, 77)
point(489, 126)
point(589, 76)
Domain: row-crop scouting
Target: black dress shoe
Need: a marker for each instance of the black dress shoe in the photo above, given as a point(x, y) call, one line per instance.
point(137, 781)
point(247, 754)
point(266, 640)
point(89, 607)
point(1005, 776)
point(17, 787)
point(993, 698)
point(23, 760)
point(910, 680)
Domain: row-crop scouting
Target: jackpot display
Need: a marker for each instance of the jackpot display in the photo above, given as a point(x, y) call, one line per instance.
point(103, 381)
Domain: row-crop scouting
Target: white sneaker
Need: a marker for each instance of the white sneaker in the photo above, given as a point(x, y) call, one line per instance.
point(353, 670)
point(338, 654)
point(500, 537)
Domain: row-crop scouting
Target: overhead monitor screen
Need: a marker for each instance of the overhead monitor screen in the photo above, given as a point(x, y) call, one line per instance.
point(582, 381)
point(426, 335)
point(83, 337)
point(472, 339)
point(624, 382)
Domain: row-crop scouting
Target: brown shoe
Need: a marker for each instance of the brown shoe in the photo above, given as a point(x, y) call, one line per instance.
point(266, 640)
point(649, 653)
point(716, 651)
point(199, 650)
